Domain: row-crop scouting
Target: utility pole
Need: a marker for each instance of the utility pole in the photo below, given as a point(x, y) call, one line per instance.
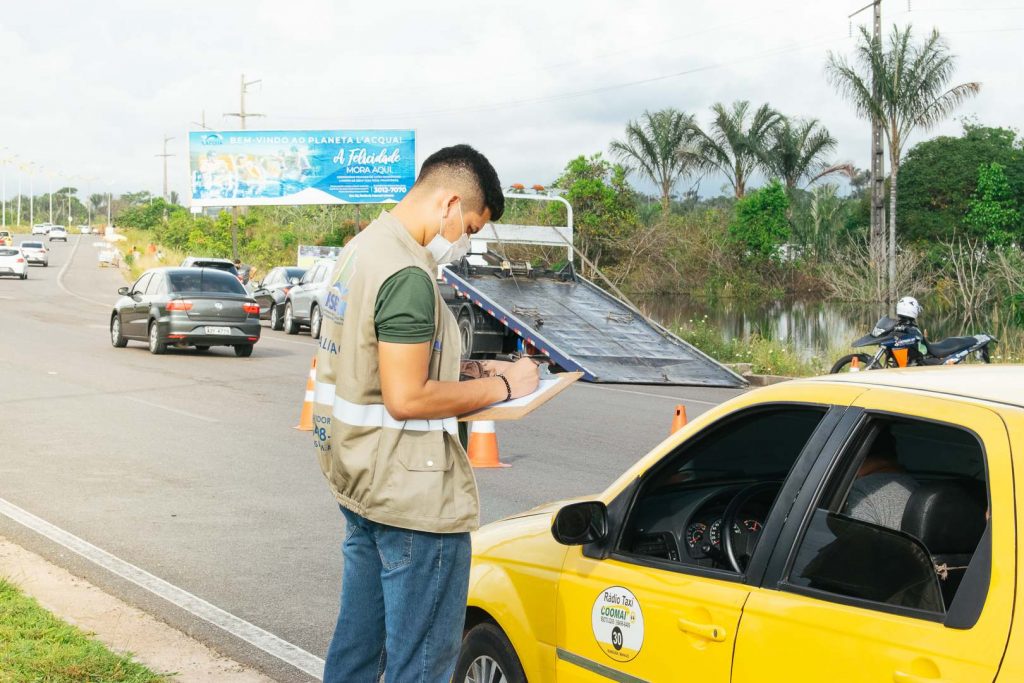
point(242, 116)
point(202, 122)
point(165, 155)
point(880, 251)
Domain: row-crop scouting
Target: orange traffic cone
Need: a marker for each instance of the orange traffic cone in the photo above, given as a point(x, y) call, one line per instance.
point(483, 445)
point(679, 419)
point(855, 364)
point(306, 418)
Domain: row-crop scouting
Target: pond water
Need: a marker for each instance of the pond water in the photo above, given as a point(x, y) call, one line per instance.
point(816, 327)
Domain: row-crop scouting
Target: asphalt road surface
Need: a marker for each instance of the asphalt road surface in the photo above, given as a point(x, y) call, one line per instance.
point(187, 466)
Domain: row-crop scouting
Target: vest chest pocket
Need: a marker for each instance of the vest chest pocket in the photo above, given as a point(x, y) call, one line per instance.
point(425, 451)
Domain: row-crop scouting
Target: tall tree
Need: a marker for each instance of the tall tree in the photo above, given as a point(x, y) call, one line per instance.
point(913, 81)
point(96, 201)
point(656, 145)
point(734, 143)
point(797, 152)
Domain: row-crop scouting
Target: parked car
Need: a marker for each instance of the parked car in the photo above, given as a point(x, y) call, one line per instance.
point(219, 263)
point(40, 229)
point(58, 232)
point(35, 252)
point(271, 292)
point(303, 306)
point(857, 527)
point(13, 262)
point(197, 307)
point(85, 229)
point(6, 238)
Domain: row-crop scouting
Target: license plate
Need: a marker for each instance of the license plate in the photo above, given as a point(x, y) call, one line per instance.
point(218, 330)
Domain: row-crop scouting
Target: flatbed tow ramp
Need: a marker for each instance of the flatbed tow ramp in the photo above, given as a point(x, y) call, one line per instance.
point(503, 307)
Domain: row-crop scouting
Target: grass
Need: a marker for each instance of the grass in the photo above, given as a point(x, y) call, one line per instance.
point(140, 240)
point(36, 646)
point(766, 356)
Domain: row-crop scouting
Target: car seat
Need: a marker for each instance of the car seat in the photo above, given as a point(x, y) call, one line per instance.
point(949, 520)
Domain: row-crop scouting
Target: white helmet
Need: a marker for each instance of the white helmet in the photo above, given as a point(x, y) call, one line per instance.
point(907, 307)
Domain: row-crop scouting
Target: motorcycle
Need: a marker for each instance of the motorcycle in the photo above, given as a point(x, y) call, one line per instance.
point(901, 343)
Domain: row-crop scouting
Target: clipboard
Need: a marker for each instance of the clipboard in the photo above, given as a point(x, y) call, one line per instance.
point(517, 408)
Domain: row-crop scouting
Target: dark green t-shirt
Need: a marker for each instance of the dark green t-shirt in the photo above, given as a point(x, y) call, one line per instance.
point(404, 311)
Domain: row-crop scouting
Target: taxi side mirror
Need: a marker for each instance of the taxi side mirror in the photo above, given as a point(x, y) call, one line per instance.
point(581, 523)
point(123, 291)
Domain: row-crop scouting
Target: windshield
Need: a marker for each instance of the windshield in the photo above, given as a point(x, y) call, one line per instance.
point(202, 280)
point(31, 245)
point(884, 325)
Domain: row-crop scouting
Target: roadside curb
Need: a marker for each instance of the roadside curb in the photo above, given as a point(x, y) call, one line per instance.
point(119, 626)
point(744, 370)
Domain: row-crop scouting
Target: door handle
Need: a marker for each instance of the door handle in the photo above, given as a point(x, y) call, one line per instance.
point(903, 677)
point(706, 631)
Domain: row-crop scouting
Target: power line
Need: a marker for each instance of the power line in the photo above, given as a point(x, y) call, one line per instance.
point(582, 93)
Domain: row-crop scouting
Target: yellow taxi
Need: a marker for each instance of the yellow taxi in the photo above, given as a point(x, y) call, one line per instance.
point(856, 527)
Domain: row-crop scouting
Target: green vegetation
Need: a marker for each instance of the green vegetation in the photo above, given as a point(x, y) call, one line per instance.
point(760, 224)
point(765, 356)
point(36, 646)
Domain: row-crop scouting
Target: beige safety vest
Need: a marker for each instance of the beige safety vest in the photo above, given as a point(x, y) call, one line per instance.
point(412, 474)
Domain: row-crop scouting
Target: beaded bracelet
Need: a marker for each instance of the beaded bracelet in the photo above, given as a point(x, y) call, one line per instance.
point(508, 387)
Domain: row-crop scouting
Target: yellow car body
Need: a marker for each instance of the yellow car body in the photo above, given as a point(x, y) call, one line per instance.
point(553, 602)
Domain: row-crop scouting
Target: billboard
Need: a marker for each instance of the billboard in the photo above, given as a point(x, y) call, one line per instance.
point(290, 167)
point(309, 254)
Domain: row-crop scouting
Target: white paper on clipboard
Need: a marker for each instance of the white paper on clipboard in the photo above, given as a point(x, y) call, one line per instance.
point(516, 408)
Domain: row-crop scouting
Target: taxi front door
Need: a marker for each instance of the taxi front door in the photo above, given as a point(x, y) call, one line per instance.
point(619, 621)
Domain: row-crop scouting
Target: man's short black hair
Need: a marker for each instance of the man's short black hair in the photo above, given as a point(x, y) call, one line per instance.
point(463, 159)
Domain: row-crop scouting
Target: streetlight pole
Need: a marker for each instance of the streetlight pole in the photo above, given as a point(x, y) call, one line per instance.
point(165, 155)
point(31, 194)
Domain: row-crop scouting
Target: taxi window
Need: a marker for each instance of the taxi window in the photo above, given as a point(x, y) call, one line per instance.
point(679, 512)
point(900, 520)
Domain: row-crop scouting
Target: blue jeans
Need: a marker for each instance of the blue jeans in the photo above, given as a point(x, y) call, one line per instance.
point(403, 605)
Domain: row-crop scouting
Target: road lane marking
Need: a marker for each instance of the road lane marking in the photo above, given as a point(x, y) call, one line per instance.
point(677, 399)
point(64, 269)
point(244, 630)
point(169, 409)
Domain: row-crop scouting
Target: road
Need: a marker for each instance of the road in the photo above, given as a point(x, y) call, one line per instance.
point(187, 466)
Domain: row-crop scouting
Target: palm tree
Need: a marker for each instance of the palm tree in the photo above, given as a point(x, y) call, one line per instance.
point(796, 152)
point(734, 143)
point(912, 80)
point(656, 145)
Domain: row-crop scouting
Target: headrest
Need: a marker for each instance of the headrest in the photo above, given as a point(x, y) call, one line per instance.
point(946, 517)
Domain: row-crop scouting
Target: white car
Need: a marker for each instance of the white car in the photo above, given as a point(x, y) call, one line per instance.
point(58, 233)
point(35, 252)
point(13, 262)
point(85, 229)
point(40, 229)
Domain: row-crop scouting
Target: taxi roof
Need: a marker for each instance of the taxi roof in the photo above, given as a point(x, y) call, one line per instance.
point(997, 383)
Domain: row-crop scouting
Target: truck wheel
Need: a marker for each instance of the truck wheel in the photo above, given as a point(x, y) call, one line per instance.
point(466, 335)
point(487, 656)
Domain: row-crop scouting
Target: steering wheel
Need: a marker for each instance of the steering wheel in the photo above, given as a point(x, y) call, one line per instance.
point(739, 545)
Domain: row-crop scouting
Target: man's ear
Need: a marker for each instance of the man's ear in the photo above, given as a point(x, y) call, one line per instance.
point(449, 203)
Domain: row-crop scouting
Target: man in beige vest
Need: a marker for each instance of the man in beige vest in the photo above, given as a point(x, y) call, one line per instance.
point(387, 397)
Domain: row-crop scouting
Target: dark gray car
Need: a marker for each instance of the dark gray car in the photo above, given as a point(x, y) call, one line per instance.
point(198, 307)
point(270, 293)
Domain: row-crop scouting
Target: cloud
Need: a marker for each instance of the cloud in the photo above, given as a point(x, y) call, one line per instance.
point(90, 89)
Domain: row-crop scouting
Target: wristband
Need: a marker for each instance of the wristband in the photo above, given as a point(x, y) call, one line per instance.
point(508, 387)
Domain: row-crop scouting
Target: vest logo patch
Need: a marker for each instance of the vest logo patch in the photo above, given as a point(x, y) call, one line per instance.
point(437, 344)
point(336, 300)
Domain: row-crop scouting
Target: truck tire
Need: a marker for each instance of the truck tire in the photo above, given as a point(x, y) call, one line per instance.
point(466, 331)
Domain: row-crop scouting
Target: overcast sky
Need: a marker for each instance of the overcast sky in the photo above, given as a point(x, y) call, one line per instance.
point(89, 89)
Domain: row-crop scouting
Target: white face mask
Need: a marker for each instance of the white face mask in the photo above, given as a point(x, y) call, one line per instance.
point(444, 251)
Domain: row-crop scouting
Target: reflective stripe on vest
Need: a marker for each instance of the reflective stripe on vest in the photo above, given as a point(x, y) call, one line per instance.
point(376, 415)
